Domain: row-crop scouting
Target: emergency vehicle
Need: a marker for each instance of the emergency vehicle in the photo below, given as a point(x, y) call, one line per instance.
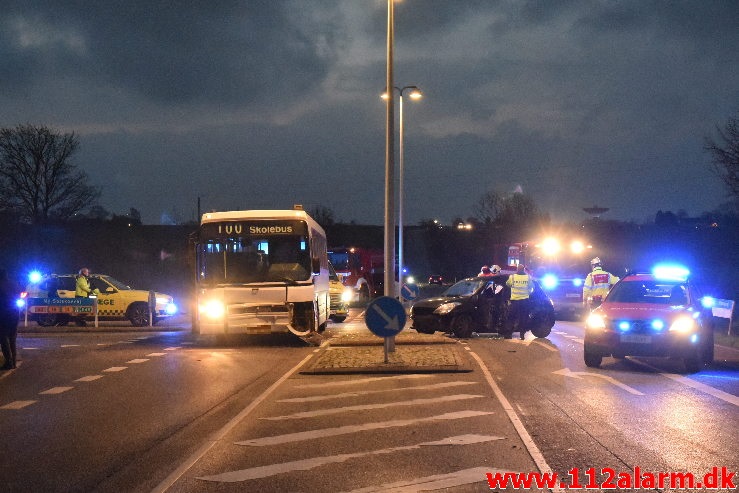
point(115, 299)
point(340, 296)
point(361, 269)
point(559, 266)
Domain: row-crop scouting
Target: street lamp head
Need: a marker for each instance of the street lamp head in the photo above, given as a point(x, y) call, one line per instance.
point(415, 92)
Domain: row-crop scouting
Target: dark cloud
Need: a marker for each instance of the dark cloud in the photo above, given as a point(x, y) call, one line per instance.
point(268, 103)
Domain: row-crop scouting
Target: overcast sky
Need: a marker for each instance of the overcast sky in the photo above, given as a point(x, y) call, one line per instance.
point(264, 104)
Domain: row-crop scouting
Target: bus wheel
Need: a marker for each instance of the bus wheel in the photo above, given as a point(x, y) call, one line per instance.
point(46, 320)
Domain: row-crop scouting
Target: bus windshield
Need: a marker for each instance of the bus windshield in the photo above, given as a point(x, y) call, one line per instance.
point(247, 259)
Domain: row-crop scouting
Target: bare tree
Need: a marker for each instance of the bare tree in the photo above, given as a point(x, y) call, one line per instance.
point(323, 216)
point(37, 178)
point(726, 155)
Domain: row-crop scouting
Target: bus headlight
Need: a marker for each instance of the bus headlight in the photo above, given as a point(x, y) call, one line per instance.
point(347, 295)
point(213, 309)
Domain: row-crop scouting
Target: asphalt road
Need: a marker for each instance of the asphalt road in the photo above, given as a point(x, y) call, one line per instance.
point(121, 409)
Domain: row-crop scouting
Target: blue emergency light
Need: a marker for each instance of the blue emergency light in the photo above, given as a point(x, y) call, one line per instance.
point(34, 277)
point(670, 272)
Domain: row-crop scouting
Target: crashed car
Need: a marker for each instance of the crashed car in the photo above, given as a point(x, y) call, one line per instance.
point(479, 304)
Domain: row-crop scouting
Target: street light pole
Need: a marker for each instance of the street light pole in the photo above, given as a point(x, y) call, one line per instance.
point(389, 257)
point(414, 94)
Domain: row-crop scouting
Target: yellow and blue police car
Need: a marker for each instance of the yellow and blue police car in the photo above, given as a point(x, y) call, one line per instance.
point(115, 300)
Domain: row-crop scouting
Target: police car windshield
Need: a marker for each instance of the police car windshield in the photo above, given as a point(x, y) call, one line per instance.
point(464, 288)
point(653, 292)
point(249, 259)
point(116, 283)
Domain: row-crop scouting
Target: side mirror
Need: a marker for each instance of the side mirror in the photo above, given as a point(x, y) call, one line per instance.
point(315, 265)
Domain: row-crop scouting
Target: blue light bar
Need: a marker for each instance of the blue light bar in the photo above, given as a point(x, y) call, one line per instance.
point(549, 281)
point(577, 282)
point(658, 324)
point(624, 325)
point(708, 301)
point(34, 277)
point(670, 272)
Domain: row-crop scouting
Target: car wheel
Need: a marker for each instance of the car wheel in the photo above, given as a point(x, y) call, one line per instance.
point(138, 314)
point(338, 319)
point(592, 359)
point(619, 355)
point(541, 332)
point(462, 326)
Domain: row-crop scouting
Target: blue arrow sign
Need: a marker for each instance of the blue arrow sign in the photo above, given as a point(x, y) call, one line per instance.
point(385, 316)
point(409, 292)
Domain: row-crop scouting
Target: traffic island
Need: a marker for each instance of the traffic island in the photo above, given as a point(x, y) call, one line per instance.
point(414, 353)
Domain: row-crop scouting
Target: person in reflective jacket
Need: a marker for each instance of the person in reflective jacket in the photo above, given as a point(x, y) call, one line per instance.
point(597, 284)
point(518, 310)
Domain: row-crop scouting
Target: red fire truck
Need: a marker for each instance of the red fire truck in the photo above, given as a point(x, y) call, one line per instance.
point(361, 269)
point(561, 269)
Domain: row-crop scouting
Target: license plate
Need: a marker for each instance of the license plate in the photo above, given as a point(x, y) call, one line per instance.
point(638, 339)
point(572, 295)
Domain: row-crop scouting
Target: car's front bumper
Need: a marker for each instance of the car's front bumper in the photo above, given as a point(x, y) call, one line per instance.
point(652, 344)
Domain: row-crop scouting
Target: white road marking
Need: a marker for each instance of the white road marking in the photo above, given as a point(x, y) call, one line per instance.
point(89, 378)
point(307, 464)
point(528, 442)
point(579, 374)
point(70, 345)
point(174, 348)
point(707, 389)
point(55, 390)
point(344, 430)
point(18, 404)
point(155, 354)
point(30, 348)
point(369, 392)
point(337, 383)
point(137, 360)
point(218, 435)
point(115, 368)
point(336, 410)
point(433, 483)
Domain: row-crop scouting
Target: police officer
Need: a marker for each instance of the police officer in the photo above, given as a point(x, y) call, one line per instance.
point(597, 284)
point(518, 310)
point(83, 288)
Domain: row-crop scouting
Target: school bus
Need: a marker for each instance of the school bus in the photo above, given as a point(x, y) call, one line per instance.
point(260, 271)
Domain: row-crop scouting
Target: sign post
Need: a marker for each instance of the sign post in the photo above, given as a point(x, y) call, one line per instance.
point(385, 317)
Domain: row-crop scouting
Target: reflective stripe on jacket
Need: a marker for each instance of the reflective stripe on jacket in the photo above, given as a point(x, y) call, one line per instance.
point(598, 283)
point(520, 285)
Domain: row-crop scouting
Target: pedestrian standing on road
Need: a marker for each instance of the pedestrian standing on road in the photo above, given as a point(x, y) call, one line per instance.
point(8, 320)
point(518, 311)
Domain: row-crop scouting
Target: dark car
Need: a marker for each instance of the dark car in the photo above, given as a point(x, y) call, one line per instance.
point(478, 304)
point(655, 314)
point(436, 279)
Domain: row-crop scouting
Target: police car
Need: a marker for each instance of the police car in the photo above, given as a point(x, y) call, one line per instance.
point(661, 313)
point(116, 300)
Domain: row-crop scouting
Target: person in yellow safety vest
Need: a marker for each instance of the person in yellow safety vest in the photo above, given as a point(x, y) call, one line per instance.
point(83, 290)
point(597, 284)
point(518, 310)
